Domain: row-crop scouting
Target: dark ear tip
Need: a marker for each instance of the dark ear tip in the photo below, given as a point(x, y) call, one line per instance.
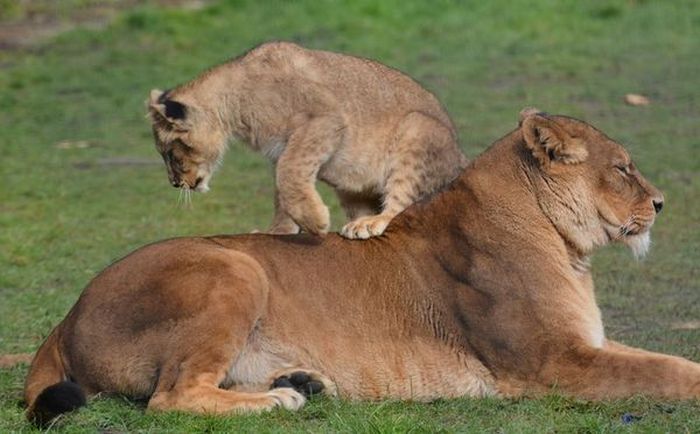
point(531, 113)
point(174, 109)
point(528, 112)
point(164, 96)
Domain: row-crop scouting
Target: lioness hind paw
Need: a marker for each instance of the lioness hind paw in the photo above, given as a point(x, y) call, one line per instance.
point(291, 399)
point(300, 381)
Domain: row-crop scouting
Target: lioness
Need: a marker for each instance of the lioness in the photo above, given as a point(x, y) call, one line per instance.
point(371, 132)
point(485, 289)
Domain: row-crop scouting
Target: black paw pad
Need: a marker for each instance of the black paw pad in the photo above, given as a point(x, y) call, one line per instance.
point(299, 381)
point(282, 382)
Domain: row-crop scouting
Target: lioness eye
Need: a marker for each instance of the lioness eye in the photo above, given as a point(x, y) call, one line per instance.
point(623, 168)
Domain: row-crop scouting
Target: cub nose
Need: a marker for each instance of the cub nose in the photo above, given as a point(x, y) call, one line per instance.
point(658, 204)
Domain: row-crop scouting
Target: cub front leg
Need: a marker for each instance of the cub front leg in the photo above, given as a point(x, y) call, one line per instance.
point(307, 149)
point(282, 223)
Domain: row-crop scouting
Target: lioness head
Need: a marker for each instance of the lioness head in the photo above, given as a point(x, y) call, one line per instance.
point(190, 143)
point(587, 184)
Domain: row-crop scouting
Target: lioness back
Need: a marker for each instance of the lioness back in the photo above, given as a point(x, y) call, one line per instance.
point(373, 133)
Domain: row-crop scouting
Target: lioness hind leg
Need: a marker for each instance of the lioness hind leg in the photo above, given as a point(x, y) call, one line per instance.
point(210, 399)
point(192, 381)
point(202, 346)
point(305, 381)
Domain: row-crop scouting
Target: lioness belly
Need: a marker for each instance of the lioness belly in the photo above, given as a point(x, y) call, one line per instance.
point(364, 368)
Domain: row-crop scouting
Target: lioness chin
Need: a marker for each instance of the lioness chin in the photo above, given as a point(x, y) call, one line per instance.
point(372, 133)
point(485, 289)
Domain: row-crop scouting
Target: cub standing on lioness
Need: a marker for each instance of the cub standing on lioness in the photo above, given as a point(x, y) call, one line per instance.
point(485, 289)
point(371, 132)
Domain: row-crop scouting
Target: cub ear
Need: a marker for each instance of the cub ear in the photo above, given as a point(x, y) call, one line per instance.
point(548, 140)
point(160, 107)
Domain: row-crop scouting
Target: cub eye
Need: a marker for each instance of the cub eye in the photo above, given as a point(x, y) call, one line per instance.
point(185, 146)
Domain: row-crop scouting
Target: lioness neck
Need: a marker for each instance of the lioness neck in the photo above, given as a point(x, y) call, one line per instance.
point(489, 236)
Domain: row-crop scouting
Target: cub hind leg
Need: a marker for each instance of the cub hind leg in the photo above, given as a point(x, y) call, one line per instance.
point(358, 205)
point(425, 157)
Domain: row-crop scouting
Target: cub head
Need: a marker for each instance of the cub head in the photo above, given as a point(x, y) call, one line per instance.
point(587, 184)
point(189, 139)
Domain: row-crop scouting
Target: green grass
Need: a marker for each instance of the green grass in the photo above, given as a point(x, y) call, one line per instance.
point(67, 213)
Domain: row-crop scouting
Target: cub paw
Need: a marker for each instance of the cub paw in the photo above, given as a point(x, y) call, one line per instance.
point(284, 229)
point(308, 383)
point(366, 227)
point(312, 215)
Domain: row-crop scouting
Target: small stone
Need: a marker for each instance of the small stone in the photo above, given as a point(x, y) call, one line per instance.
point(629, 418)
point(73, 144)
point(636, 100)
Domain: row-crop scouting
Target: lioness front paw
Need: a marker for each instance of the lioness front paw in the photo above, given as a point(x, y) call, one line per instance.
point(366, 227)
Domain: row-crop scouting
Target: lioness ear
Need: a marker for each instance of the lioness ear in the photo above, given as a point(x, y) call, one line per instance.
point(527, 112)
point(549, 141)
point(174, 112)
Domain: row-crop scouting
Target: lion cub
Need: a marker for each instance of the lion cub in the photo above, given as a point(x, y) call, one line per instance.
point(371, 132)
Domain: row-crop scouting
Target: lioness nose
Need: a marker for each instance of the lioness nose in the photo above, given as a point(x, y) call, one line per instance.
point(658, 204)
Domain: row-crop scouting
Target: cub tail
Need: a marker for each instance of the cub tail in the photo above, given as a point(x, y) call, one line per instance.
point(47, 390)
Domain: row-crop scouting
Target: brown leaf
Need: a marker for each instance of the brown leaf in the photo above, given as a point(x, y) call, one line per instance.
point(73, 144)
point(685, 325)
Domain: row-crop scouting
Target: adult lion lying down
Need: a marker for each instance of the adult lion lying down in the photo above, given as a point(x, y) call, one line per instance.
point(483, 290)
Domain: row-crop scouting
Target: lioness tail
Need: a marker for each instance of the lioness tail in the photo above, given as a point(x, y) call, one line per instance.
point(47, 391)
point(60, 398)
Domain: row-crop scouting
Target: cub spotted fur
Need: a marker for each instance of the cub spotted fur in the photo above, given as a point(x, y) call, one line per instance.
point(484, 289)
point(371, 132)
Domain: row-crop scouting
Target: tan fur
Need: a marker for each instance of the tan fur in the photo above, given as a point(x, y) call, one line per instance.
point(483, 290)
point(371, 132)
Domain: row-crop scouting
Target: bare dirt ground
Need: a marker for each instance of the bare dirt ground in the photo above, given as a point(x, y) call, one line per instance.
point(35, 21)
